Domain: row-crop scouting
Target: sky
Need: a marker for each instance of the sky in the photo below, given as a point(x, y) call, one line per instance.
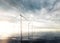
point(40, 9)
point(45, 13)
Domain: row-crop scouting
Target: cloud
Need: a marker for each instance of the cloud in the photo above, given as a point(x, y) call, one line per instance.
point(41, 9)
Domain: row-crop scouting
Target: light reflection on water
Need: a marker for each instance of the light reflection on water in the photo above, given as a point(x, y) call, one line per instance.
point(34, 36)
